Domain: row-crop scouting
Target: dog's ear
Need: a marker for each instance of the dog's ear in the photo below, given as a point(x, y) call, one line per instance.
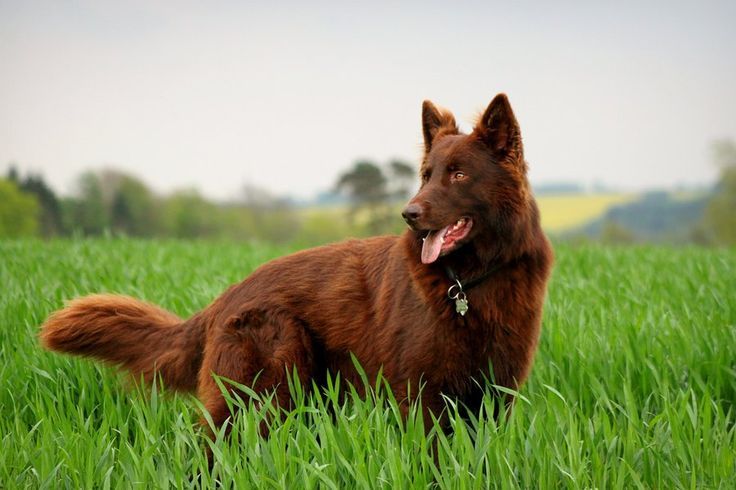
point(499, 129)
point(434, 122)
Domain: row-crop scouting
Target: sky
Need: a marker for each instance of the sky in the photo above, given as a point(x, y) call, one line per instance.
point(286, 95)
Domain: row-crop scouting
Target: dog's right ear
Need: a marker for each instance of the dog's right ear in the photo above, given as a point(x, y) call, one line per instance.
point(499, 129)
point(434, 122)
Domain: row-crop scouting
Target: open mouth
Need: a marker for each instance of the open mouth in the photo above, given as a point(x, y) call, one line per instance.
point(441, 242)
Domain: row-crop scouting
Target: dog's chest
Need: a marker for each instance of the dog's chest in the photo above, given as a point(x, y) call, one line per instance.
point(461, 355)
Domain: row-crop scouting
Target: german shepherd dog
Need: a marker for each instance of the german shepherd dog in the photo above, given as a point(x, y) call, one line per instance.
point(454, 300)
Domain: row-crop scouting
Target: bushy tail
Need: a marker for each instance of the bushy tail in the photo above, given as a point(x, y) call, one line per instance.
point(142, 338)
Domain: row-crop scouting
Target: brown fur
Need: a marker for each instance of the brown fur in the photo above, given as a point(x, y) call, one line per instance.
point(373, 298)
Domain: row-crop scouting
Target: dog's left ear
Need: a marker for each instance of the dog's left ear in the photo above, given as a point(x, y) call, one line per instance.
point(436, 122)
point(498, 127)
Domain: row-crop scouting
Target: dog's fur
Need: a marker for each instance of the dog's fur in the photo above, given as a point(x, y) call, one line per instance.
point(374, 298)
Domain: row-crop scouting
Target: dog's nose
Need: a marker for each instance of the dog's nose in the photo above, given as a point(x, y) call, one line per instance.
point(412, 213)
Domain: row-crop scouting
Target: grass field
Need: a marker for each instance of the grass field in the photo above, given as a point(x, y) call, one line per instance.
point(634, 385)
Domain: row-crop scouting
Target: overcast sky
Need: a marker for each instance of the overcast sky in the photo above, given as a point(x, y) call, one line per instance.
point(217, 94)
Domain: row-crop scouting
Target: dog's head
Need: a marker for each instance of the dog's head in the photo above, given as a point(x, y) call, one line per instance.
point(471, 183)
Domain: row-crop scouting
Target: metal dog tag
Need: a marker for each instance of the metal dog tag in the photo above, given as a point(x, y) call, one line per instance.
point(461, 300)
point(461, 304)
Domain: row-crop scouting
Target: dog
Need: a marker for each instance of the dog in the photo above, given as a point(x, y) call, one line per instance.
point(455, 299)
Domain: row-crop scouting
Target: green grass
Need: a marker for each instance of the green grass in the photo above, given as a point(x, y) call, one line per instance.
point(634, 385)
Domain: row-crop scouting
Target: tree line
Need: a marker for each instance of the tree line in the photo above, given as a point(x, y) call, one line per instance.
point(113, 202)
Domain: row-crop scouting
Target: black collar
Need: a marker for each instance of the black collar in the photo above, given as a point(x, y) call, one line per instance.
point(466, 285)
point(457, 289)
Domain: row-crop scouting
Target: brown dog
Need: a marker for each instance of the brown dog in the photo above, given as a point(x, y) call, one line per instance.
point(460, 291)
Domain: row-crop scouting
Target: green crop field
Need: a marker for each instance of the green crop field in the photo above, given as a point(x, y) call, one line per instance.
point(634, 385)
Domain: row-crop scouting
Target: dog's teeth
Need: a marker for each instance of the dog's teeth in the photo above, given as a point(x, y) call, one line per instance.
point(459, 223)
point(442, 240)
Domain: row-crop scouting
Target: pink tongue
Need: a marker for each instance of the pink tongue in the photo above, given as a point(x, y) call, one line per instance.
point(433, 245)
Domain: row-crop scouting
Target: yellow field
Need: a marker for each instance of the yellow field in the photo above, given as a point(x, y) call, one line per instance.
point(560, 213)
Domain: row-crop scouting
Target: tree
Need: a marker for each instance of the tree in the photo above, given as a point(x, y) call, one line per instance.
point(88, 212)
point(133, 209)
point(50, 209)
point(273, 218)
point(18, 211)
point(365, 185)
point(13, 175)
point(403, 179)
point(374, 191)
point(111, 200)
point(49, 217)
point(186, 214)
point(724, 153)
point(720, 213)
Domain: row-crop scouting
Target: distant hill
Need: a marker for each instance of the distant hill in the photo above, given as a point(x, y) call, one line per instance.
point(655, 216)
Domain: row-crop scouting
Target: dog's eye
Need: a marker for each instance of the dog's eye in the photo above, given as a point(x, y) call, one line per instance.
point(459, 176)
